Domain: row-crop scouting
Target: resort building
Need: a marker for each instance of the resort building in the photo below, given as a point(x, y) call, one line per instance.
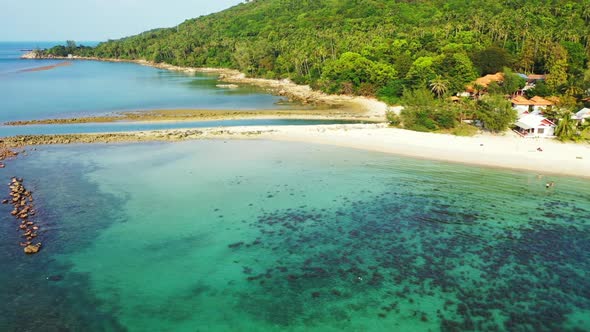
point(535, 126)
point(521, 105)
point(535, 105)
point(540, 103)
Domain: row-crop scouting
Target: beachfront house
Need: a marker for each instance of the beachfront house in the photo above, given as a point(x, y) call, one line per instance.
point(521, 105)
point(535, 105)
point(535, 126)
point(583, 115)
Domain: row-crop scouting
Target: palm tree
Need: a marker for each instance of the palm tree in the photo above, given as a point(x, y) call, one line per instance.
point(566, 128)
point(439, 86)
point(572, 89)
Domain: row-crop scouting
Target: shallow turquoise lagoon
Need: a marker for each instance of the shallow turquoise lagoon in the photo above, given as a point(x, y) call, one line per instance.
point(89, 87)
point(271, 236)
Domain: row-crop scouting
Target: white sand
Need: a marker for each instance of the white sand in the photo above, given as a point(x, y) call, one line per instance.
point(485, 150)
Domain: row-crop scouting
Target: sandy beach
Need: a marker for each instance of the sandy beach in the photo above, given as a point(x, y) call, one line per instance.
point(508, 151)
point(484, 150)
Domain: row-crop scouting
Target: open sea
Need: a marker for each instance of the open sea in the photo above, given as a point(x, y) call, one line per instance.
point(256, 235)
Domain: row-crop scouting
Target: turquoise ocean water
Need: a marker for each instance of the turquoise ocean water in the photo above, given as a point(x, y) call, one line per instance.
point(271, 236)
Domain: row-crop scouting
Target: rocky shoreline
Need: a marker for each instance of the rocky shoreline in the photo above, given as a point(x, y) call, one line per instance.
point(6, 153)
point(373, 108)
point(129, 137)
point(204, 115)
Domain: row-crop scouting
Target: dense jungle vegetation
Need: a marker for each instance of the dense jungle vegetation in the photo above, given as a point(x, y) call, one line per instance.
point(380, 48)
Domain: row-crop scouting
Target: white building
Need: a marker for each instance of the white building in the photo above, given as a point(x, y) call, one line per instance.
point(535, 105)
point(583, 115)
point(540, 103)
point(521, 105)
point(535, 126)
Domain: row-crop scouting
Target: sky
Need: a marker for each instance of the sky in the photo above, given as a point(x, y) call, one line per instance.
point(96, 20)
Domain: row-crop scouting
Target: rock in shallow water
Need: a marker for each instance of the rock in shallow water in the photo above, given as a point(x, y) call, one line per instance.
point(32, 249)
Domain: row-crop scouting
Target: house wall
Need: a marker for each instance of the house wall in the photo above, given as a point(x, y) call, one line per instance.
point(521, 108)
point(547, 132)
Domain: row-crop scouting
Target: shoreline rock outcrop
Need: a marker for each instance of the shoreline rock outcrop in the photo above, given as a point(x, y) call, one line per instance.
point(6, 153)
point(31, 55)
point(130, 137)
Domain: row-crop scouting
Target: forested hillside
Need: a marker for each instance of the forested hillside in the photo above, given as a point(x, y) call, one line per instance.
point(361, 46)
point(380, 48)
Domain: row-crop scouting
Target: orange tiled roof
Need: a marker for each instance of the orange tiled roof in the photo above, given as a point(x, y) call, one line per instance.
point(535, 77)
point(520, 100)
point(486, 80)
point(540, 101)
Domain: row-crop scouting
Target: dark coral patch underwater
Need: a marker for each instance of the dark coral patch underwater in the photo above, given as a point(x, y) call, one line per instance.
point(457, 267)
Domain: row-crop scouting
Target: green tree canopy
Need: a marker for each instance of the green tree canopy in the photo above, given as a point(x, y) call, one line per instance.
point(496, 113)
point(492, 59)
point(512, 82)
point(352, 72)
point(398, 45)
